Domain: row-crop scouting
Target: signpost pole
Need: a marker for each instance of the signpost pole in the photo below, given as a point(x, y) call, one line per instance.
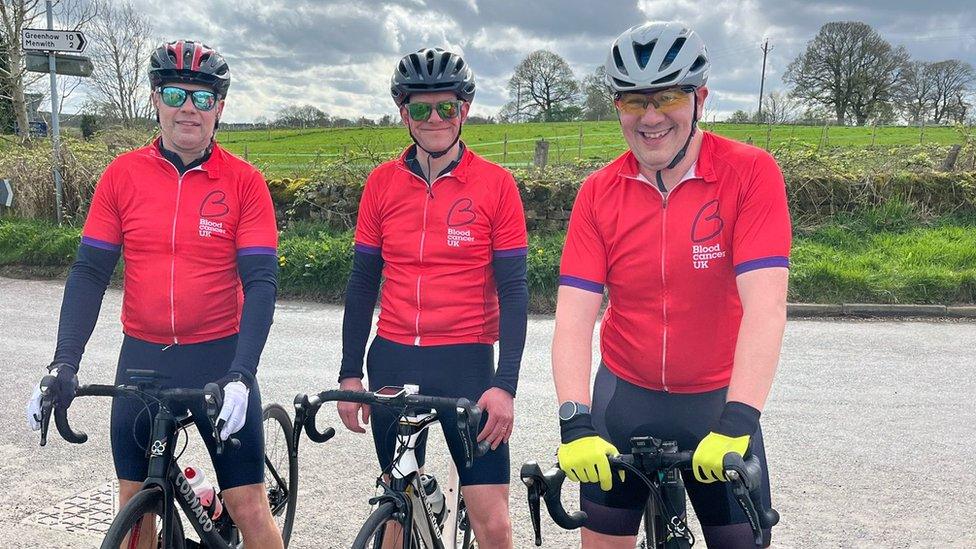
point(55, 122)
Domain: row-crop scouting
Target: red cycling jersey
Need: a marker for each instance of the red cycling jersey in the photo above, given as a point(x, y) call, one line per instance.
point(437, 245)
point(180, 238)
point(669, 264)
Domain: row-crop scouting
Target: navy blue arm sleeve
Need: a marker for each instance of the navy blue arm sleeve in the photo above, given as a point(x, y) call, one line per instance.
point(357, 318)
point(513, 305)
point(88, 278)
point(259, 279)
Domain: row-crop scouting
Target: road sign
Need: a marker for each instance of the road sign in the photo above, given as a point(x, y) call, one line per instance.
point(6, 193)
point(68, 65)
point(53, 40)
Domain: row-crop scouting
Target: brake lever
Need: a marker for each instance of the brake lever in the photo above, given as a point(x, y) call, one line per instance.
point(213, 401)
point(535, 488)
point(745, 478)
point(47, 405)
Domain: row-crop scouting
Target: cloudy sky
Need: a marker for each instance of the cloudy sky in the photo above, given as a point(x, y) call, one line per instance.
point(338, 54)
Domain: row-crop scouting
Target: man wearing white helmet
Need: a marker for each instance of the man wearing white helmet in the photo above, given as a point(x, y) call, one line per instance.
point(689, 234)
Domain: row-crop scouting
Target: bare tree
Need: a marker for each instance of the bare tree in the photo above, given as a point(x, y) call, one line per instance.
point(779, 108)
point(15, 16)
point(849, 68)
point(953, 79)
point(302, 116)
point(915, 92)
point(544, 85)
point(598, 99)
point(122, 40)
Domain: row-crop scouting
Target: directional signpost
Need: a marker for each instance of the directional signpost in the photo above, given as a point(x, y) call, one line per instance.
point(50, 42)
point(53, 40)
point(68, 65)
point(6, 193)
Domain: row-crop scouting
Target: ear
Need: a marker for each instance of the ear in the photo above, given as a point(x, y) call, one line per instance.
point(702, 93)
point(404, 116)
point(465, 107)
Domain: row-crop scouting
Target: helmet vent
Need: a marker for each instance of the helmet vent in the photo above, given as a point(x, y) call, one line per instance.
point(672, 53)
point(618, 61)
point(622, 83)
point(642, 52)
point(415, 61)
point(699, 63)
point(443, 67)
point(667, 78)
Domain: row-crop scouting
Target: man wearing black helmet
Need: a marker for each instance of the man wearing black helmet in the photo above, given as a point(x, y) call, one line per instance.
point(197, 229)
point(446, 230)
point(689, 234)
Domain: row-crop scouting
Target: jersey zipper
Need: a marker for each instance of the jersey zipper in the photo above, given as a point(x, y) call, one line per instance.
point(429, 195)
point(664, 280)
point(172, 266)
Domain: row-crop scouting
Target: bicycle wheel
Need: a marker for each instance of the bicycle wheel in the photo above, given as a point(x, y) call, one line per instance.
point(373, 530)
point(280, 468)
point(127, 532)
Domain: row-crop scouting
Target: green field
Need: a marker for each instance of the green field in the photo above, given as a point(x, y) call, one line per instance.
point(283, 152)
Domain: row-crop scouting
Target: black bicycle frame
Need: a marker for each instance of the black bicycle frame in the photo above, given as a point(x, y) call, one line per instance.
point(165, 474)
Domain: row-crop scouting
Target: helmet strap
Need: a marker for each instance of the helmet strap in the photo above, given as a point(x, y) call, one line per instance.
point(437, 154)
point(684, 149)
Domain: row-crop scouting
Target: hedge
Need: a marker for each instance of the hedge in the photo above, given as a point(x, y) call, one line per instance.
point(820, 183)
point(886, 257)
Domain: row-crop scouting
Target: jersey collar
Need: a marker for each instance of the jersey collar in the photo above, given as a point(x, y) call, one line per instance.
point(211, 166)
point(702, 168)
point(459, 171)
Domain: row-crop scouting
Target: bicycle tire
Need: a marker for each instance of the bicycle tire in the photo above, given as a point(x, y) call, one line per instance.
point(371, 534)
point(283, 500)
point(146, 502)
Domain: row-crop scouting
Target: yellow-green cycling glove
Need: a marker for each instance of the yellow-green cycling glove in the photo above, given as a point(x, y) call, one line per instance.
point(732, 434)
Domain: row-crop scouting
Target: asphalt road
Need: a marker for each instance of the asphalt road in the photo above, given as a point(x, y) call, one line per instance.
point(870, 429)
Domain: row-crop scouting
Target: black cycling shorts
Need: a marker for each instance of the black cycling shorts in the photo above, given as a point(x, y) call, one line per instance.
point(622, 410)
point(189, 366)
point(463, 370)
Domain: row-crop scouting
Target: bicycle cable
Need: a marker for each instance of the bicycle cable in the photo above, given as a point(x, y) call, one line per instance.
point(677, 528)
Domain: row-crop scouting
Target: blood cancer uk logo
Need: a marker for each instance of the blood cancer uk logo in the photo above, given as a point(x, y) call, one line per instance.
point(707, 225)
point(460, 215)
point(214, 205)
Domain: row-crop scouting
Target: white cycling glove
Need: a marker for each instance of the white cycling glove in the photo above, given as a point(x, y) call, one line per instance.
point(234, 410)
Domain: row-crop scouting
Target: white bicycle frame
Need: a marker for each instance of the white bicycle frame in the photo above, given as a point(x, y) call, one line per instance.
point(407, 465)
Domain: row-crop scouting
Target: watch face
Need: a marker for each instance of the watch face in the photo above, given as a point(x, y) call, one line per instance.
point(567, 410)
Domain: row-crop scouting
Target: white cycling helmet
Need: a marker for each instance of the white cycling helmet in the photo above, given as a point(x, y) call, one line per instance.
point(657, 55)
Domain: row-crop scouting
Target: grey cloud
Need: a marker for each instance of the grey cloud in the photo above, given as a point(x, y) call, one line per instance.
point(337, 54)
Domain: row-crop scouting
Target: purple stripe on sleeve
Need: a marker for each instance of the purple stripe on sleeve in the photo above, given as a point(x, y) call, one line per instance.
point(257, 250)
point(366, 249)
point(514, 252)
point(762, 263)
point(581, 283)
point(101, 244)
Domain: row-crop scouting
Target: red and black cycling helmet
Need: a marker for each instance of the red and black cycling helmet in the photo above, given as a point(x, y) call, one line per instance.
point(189, 62)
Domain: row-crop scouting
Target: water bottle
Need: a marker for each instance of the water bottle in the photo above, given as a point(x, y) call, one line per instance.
point(205, 491)
point(434, 496)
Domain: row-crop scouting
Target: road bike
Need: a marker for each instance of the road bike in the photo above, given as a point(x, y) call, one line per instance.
point(166, 483)
point(409, 501)
point(658, 464)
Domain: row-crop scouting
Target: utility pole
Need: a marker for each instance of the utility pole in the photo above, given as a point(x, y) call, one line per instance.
point(55, 112)
point(762, 83)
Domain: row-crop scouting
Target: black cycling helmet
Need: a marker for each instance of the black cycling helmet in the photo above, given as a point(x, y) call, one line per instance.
point(191, 63)
point(432, 70)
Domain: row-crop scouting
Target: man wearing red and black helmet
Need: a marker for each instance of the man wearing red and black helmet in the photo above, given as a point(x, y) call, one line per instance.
point(445, 229)
point(689, 234)
point(196, 227)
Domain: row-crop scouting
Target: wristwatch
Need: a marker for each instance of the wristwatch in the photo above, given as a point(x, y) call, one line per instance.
point(570, 409)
